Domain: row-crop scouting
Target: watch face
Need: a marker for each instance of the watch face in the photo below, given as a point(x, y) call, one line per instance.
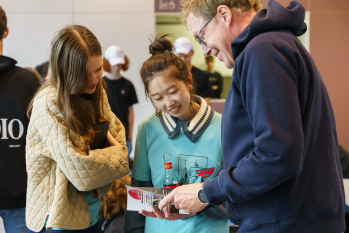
point(201, 197)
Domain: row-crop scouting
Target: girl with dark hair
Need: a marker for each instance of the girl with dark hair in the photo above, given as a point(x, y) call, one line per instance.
point(186, 127)
point(76, 146)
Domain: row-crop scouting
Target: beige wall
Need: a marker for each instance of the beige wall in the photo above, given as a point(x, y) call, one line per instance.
point(329, 47)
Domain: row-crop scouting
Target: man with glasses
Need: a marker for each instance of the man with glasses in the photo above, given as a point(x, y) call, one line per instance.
point(184, 49)
point(281, 170)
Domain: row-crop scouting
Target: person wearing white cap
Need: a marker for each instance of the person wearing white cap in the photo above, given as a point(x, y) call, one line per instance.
point(184, 49)
point(121, 92)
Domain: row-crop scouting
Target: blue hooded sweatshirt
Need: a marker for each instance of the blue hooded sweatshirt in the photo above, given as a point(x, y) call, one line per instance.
point(281, 170)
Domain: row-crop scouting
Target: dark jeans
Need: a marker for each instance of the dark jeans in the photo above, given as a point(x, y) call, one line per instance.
point(93, 229)
point(14, 220)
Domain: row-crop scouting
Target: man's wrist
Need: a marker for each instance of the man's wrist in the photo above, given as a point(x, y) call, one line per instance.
point(201, 196)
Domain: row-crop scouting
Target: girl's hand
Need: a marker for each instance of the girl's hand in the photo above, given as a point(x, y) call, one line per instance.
point(111, 141)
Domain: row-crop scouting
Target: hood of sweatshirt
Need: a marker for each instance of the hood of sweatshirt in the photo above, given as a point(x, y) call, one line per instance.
point(275, 17)
point(6, 63)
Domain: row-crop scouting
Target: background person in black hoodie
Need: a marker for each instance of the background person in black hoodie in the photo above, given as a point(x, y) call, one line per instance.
point(281, 170)
point(17, 87)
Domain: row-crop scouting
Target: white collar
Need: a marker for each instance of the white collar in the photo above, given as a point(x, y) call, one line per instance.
point(192, 129)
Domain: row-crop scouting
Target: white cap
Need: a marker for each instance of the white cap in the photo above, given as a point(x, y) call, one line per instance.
point(182, 45)
point(114, 55)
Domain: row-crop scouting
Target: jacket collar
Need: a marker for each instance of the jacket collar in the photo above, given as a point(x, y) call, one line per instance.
point(192, 129)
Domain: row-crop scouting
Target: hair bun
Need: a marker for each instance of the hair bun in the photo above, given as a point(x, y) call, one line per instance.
point(161, 45)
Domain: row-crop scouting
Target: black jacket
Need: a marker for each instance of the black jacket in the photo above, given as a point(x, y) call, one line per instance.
point(344, 158)
point(17, 87)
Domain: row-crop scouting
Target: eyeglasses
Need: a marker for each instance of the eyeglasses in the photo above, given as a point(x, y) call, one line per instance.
point(199, 40)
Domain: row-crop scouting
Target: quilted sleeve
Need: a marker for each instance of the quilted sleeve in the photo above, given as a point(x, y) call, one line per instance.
point(118, 131)
point(85, 171)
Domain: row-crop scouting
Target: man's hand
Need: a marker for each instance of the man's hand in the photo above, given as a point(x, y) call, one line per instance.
point(185, 197)
point(165, 215)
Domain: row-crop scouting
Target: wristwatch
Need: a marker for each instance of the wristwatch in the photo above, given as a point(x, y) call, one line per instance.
point(201, 196)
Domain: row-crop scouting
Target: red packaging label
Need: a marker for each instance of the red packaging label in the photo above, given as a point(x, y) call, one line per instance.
point(205, 172)
point(136, 194)
point(168, 165)
point(171, 186)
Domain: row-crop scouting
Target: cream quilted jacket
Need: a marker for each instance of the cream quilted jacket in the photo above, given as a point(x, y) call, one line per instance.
point(58, 172)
